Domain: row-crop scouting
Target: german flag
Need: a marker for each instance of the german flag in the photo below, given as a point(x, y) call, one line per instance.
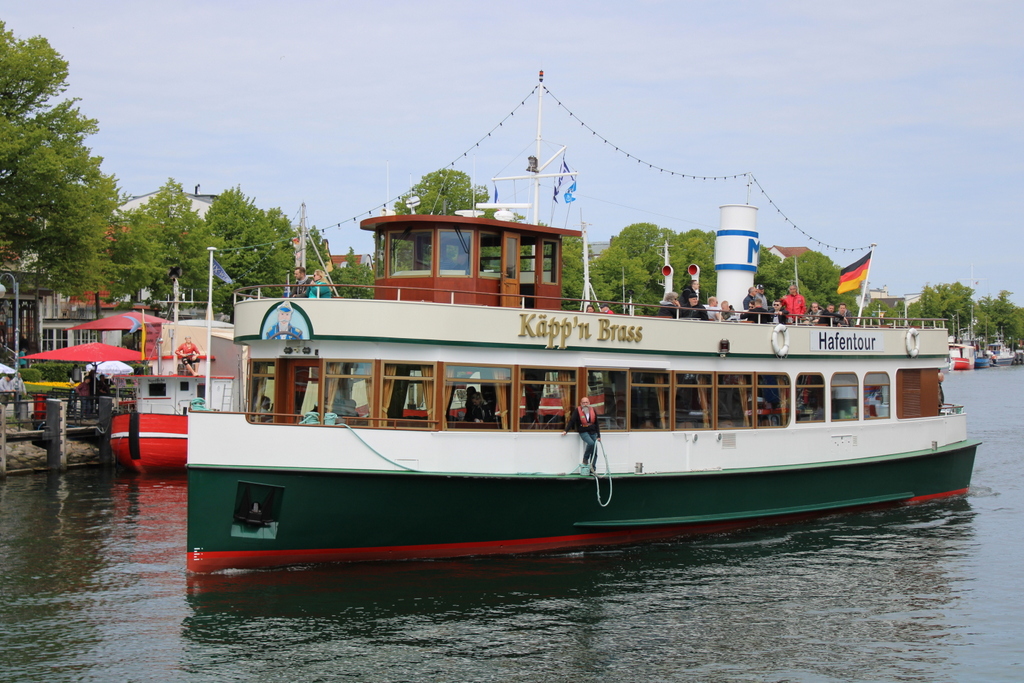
point(852, 275)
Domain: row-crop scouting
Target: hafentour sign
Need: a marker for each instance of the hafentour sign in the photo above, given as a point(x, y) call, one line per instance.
point(849, 341)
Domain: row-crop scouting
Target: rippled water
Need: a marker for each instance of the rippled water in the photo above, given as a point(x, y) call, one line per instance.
point(93, 588)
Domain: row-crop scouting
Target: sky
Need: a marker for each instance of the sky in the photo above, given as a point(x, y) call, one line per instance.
point(894, 123)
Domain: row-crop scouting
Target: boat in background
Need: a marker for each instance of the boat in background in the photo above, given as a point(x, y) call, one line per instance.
point(961, 356)
point(151, 431)
point(1000, 354)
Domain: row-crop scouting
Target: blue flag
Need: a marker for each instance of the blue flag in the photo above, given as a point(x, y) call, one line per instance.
point(559, 181)
point(219, 271)
point(568, 196)
point(495, 194)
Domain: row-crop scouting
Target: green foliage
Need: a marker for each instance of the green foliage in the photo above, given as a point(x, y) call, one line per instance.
point(31, 375)
point(444, 192)
point(54, 370)
point(353, 273)
point(55, 203)
point(950, 302)
point(997, 318)
point(572, 271)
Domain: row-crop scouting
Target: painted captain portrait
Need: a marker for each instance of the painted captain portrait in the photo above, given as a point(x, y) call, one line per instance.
point(289, 324)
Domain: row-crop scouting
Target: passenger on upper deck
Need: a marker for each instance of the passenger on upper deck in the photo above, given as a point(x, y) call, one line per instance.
point(319, 289)
point(813, 313)
point(669, 306)
point(302, 281)
point(756, 313)
point(842, 316)
point(795, 304)
point(693, 310)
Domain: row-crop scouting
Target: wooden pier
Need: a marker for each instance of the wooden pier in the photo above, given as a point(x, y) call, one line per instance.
point(57, 439)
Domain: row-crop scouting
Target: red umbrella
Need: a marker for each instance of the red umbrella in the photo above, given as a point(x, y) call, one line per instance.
point(123, 321)
point(89, 353)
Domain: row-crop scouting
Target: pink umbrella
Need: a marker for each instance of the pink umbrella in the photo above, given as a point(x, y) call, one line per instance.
point(122, 321)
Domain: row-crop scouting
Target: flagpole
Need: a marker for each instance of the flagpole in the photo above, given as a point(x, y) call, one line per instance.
point(209, 327)
point(866, 283)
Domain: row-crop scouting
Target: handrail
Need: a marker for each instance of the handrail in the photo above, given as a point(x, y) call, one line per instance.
point(257, 292)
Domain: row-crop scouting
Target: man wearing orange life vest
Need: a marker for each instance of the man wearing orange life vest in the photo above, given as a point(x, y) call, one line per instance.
point(584, 420)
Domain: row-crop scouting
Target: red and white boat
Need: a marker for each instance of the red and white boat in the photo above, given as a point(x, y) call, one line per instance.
point(961, 356)
point(152, 432)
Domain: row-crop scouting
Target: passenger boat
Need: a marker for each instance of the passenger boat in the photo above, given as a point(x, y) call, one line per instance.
point(353, 443)
point(150, 432)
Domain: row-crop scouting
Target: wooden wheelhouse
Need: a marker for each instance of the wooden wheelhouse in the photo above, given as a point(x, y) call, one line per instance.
point(478, 261)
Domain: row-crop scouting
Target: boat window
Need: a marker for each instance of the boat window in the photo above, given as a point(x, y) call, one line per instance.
point(844, 396)
point(917, 393)
point(773, 401)
point(876, 395)
point(411, 253)
point(455, 248)
point(157, 389)
point(810, 398)
point(649, 400)
point(694, 393)
point(378, 254)
point(735, 400)
point(407, 395)
point(546, 397)
point(608, 396)
point(490, 254)
point(261, 390)
point(348, 393)
point(477, 396)
point(549, 262)
point(527, 261)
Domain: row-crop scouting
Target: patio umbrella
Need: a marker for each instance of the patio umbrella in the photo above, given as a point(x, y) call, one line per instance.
point(4, 370)
point(123, 321)
point(88, 353)
point(114, 367)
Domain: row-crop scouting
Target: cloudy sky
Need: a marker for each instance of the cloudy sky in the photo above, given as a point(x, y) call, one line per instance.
point(896, 123)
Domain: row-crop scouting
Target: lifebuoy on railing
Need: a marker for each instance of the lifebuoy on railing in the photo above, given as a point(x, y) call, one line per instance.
point(913, 342)
point(780, 346)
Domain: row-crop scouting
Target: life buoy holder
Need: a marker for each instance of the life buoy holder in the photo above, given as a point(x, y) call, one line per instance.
point(913, 342)
point(780, 347)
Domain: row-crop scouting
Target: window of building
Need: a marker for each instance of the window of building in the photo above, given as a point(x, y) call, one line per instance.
point(845, 405)
point(648, 407)
point(546, 397)
point(735, 400)
point(694, 400)
point(607, 391)
point(411, 253)
point(407, 395)
point(455, 247)
point(773, 402)
point(348, 391)
point(810, 397)
point(477, 396)
point(876, 395)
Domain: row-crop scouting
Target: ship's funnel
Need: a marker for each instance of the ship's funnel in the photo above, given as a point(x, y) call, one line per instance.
point(737, 250)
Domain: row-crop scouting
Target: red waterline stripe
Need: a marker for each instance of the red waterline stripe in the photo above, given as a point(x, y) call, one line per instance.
point(933, 496)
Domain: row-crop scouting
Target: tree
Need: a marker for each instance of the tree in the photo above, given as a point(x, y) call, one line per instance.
point(55, 203)
point(149, 240)
point(353, 273)
point(998, 318)
point(258, 247)
point(950, 302)
point(443, 192)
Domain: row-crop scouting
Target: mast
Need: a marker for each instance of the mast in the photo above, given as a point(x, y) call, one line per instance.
point(866, 283)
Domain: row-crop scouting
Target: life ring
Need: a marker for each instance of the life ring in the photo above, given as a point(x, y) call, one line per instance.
point(781, 350)
point(913, 342)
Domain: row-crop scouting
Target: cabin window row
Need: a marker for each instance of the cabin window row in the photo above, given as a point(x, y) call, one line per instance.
point(459, 397)
point(411, 253)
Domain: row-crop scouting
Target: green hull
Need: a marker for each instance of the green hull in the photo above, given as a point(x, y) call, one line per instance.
point(299, 516)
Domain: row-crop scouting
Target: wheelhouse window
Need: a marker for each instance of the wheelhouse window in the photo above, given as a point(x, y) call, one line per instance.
point(546, 398)
point(810, 397)
point(348, 393)
point(694, 393)
point(490, 254)
point(407, 395)
point(549, 262)
point(876, 395)
point(649, 405)
point(411, 253)
point(607, 390)
point(455, 247)
point(735, 400)
point(773, 403)
point(476, 396)
point(844, 396)
point(261, 390)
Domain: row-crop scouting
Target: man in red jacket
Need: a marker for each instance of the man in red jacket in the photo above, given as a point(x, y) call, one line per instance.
point(794, 304)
